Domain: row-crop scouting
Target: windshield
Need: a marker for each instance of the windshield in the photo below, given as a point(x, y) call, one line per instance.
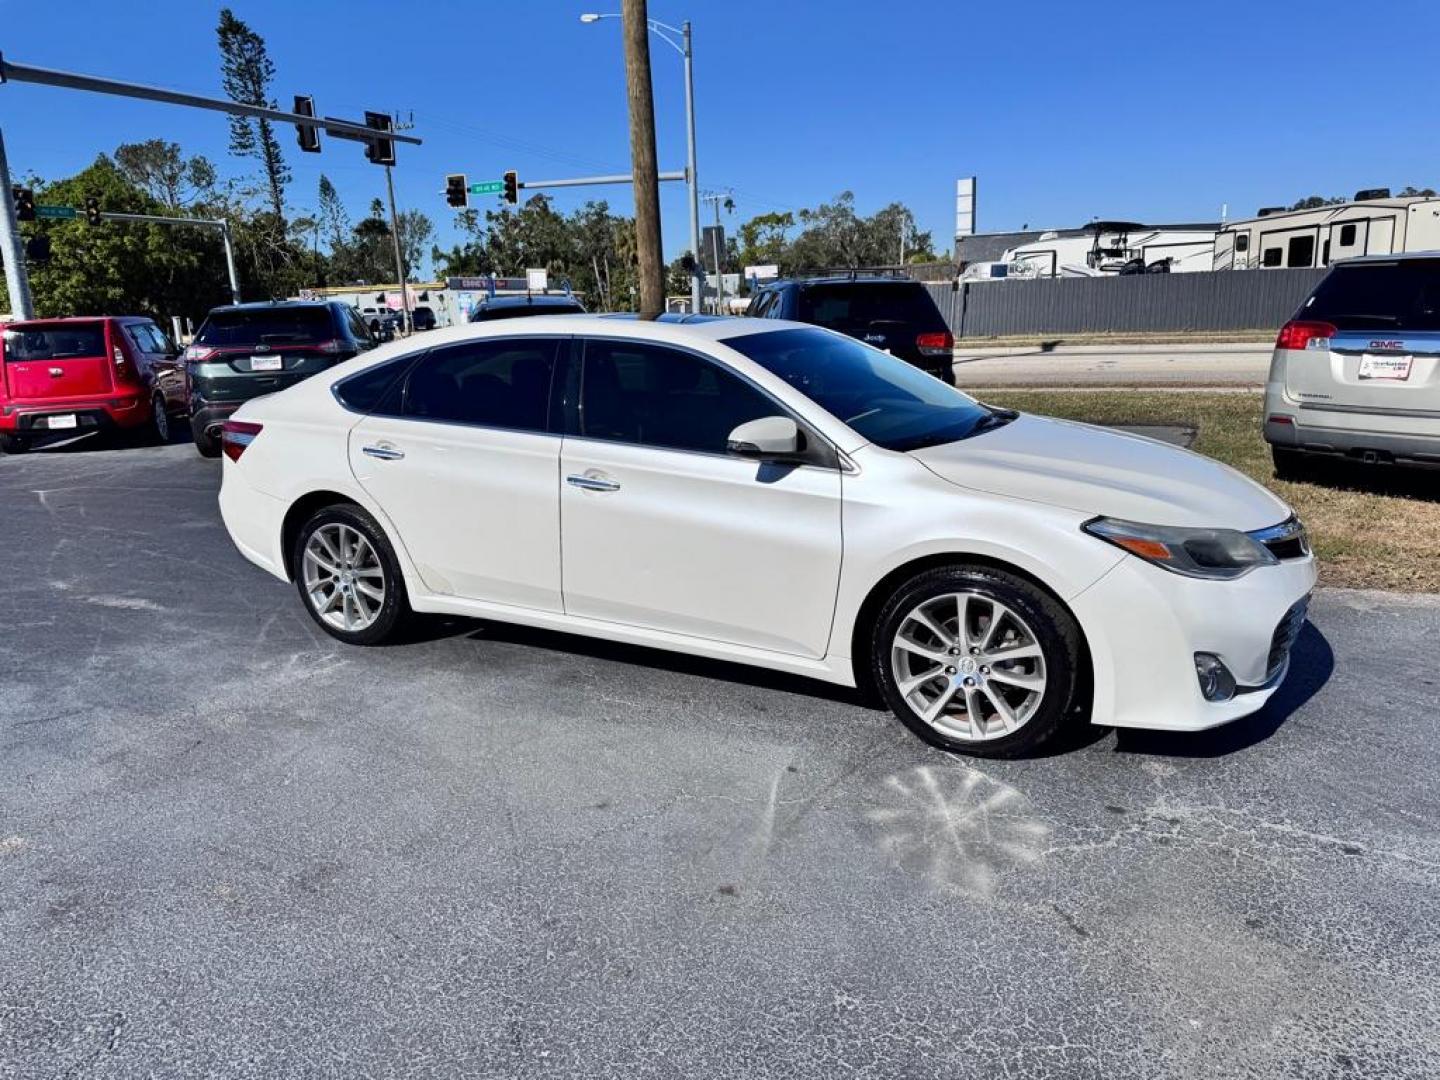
point(267, 326)
point(881, 398)
point(65, 341)
point(1379, 296)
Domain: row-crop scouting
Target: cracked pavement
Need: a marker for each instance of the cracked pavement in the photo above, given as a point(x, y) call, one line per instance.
point(230, 846)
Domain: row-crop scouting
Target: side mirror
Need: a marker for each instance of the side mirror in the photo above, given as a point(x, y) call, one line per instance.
point(767, 438)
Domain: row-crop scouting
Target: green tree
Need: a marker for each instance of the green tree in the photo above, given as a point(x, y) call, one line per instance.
point(765, 238)
point(416, 233)
point(246, 72)
point(162, 171)
point(334, 222)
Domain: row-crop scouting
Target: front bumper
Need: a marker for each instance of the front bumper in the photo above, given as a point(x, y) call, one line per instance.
point(1144, 626)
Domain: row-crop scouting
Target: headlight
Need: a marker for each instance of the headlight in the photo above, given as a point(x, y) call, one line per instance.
point(1199, 553)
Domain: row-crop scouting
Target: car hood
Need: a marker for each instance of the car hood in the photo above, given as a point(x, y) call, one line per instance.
point(1098, 471)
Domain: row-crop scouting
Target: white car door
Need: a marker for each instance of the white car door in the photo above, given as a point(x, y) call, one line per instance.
point(461, 459)
point(663, 529)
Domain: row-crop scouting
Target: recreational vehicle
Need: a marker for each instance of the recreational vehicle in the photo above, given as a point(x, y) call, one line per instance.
point(1373, 224)
point(1114, 247)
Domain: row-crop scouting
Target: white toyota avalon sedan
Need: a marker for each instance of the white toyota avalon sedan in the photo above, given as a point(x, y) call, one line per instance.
point(779, 495)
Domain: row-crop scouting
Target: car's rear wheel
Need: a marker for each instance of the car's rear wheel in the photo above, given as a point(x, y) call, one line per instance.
point(14, 444)
point(977, 660)
point(206, 443)
point(348, 577)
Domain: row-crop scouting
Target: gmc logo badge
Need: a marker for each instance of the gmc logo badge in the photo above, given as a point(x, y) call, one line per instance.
point(1387, 344)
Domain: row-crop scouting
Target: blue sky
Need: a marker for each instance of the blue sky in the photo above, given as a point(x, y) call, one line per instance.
point(1066, 111)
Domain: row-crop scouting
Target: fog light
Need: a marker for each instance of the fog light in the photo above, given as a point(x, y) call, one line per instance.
point(1216, 682)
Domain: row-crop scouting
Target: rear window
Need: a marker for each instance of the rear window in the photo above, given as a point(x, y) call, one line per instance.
point(267, 326)
point(516, 311)
point(1375, 296)
point(68, 342)
point(861, 306)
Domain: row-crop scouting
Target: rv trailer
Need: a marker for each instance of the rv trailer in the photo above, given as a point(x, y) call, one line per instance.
point(1372, 224)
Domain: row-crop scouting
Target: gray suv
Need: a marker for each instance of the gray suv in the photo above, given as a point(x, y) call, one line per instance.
point(1356, 372)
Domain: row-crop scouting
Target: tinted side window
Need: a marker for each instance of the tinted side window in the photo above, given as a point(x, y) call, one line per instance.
point(501, 383)
point(364, 392)
point(1271, 257)
point(1242, 241)
point(655, 396)
point(1347, 235)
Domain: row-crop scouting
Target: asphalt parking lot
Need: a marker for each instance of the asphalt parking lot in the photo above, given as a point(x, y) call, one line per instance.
point(230, 846)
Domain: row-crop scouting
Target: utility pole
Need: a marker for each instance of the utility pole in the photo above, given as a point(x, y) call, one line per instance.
point(695, 275)
point(717, 251)
point(17, 280)
point(395, 235)
point(635, 22)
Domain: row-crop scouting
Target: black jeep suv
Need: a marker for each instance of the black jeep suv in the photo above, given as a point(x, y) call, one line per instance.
point(892, 313)
point(245, 350)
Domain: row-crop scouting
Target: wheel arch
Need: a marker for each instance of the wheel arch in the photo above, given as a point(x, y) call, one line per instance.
point(869, 610)
point(298, 513)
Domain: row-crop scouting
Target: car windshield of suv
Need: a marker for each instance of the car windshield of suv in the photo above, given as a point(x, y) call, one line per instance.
point(1379, 296)
point(267, 326)
point(862, 305)
point(880, 397)
point(64, 342)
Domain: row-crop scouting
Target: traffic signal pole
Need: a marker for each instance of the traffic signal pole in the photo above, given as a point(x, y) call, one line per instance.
point(215, 223)
point(17, 280)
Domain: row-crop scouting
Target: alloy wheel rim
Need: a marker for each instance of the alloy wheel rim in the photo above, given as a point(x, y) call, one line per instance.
point(344, 581)
point(968, 666)
point(162, 420)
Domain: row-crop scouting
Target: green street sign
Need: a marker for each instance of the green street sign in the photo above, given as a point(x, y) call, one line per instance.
point(490, 187)
point(68, 212)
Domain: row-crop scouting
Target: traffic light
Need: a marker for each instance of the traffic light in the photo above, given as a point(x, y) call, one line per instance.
point(37, 249)
point(457, 194)
point(24, 203)
point(92, 210)
point(307, 135)
point(380, 151)
point(512, 188)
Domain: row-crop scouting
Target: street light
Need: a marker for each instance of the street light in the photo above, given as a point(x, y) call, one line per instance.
point(664, 32)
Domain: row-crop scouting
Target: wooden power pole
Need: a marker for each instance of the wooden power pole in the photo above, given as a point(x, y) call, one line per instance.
point(636, 21)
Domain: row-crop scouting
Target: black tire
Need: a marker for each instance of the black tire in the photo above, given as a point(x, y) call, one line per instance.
point(1053, 628)
point(155, 431)
point(14, 444)
point(207, 444)
point(394, 609)
point(1294, 465)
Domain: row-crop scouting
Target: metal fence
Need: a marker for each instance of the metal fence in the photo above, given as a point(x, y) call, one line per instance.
point(1140, 303)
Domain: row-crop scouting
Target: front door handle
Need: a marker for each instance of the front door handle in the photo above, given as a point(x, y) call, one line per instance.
point(384, 453)
point(592, 483)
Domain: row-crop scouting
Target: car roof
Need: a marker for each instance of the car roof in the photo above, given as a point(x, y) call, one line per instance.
point(261, 305)
point(674, 328)
point(843, 279)
point(543, 300)
point(1396, 257)
point(77, 319)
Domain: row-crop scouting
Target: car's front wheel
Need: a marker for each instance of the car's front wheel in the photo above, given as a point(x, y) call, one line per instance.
point(978, 660)
point(348, 577)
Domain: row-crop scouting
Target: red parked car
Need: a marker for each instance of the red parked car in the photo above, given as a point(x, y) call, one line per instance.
point(113, 373)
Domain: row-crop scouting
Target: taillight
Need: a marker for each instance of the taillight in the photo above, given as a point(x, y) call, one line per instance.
point(935, 344)
point(195, 354)
point(125, 372)
point(236, 435)
point(1299, 334)
point(330, 347)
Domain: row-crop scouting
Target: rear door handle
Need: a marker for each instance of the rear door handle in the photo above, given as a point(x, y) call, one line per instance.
point(384, 453)
point(592, 483)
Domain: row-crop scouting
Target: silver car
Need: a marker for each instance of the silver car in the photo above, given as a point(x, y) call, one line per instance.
point(1356, 373)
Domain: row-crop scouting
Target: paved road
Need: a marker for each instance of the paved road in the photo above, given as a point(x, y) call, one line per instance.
point(1102, 365)
point(231, 847)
